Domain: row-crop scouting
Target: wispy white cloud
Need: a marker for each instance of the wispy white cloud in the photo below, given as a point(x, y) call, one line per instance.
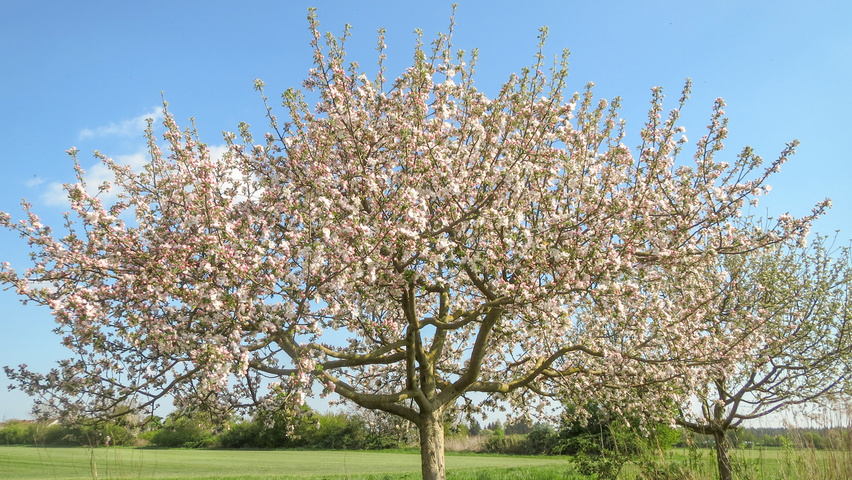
point(34, 182)
point(125, 128)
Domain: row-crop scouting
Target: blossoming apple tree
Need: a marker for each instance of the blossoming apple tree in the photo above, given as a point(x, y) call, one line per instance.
point(403, 244)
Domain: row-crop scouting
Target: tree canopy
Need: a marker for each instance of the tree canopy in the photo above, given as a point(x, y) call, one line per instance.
point(402, 244)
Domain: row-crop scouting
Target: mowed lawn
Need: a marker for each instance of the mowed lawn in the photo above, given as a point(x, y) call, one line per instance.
point(31, 463)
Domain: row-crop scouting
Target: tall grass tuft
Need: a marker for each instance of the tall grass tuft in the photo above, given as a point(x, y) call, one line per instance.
point(465, 443)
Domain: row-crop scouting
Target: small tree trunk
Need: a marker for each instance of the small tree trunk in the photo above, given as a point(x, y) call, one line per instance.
point(723, 458)
point(432, 446)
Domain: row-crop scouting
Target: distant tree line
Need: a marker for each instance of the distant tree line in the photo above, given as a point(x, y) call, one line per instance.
point(812, 438)
point(349, 431)
point(46, 433)
point(365, 430)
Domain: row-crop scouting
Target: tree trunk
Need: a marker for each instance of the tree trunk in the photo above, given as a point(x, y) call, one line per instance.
point(723, 458)
point(432, 446)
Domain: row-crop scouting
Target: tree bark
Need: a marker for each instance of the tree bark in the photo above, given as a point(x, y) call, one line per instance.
point(723, 458)
point(432, 446)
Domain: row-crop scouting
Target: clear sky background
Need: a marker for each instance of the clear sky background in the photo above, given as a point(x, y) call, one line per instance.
point(87, 74)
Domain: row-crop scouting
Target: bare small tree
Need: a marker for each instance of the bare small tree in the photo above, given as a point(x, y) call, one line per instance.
point(798, 303)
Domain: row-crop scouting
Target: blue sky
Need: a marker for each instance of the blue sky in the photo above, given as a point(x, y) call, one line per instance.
point(87, 73)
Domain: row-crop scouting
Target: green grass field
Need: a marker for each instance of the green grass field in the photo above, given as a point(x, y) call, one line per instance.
point(758, 464)
point(31, 463)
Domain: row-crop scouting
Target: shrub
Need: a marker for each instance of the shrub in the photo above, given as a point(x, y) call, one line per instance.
point(242, 434)
point(338, 431)
point(183, 432)
point(116, 435)
point(17, 432)
point(542, 440)
point(505, 444)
